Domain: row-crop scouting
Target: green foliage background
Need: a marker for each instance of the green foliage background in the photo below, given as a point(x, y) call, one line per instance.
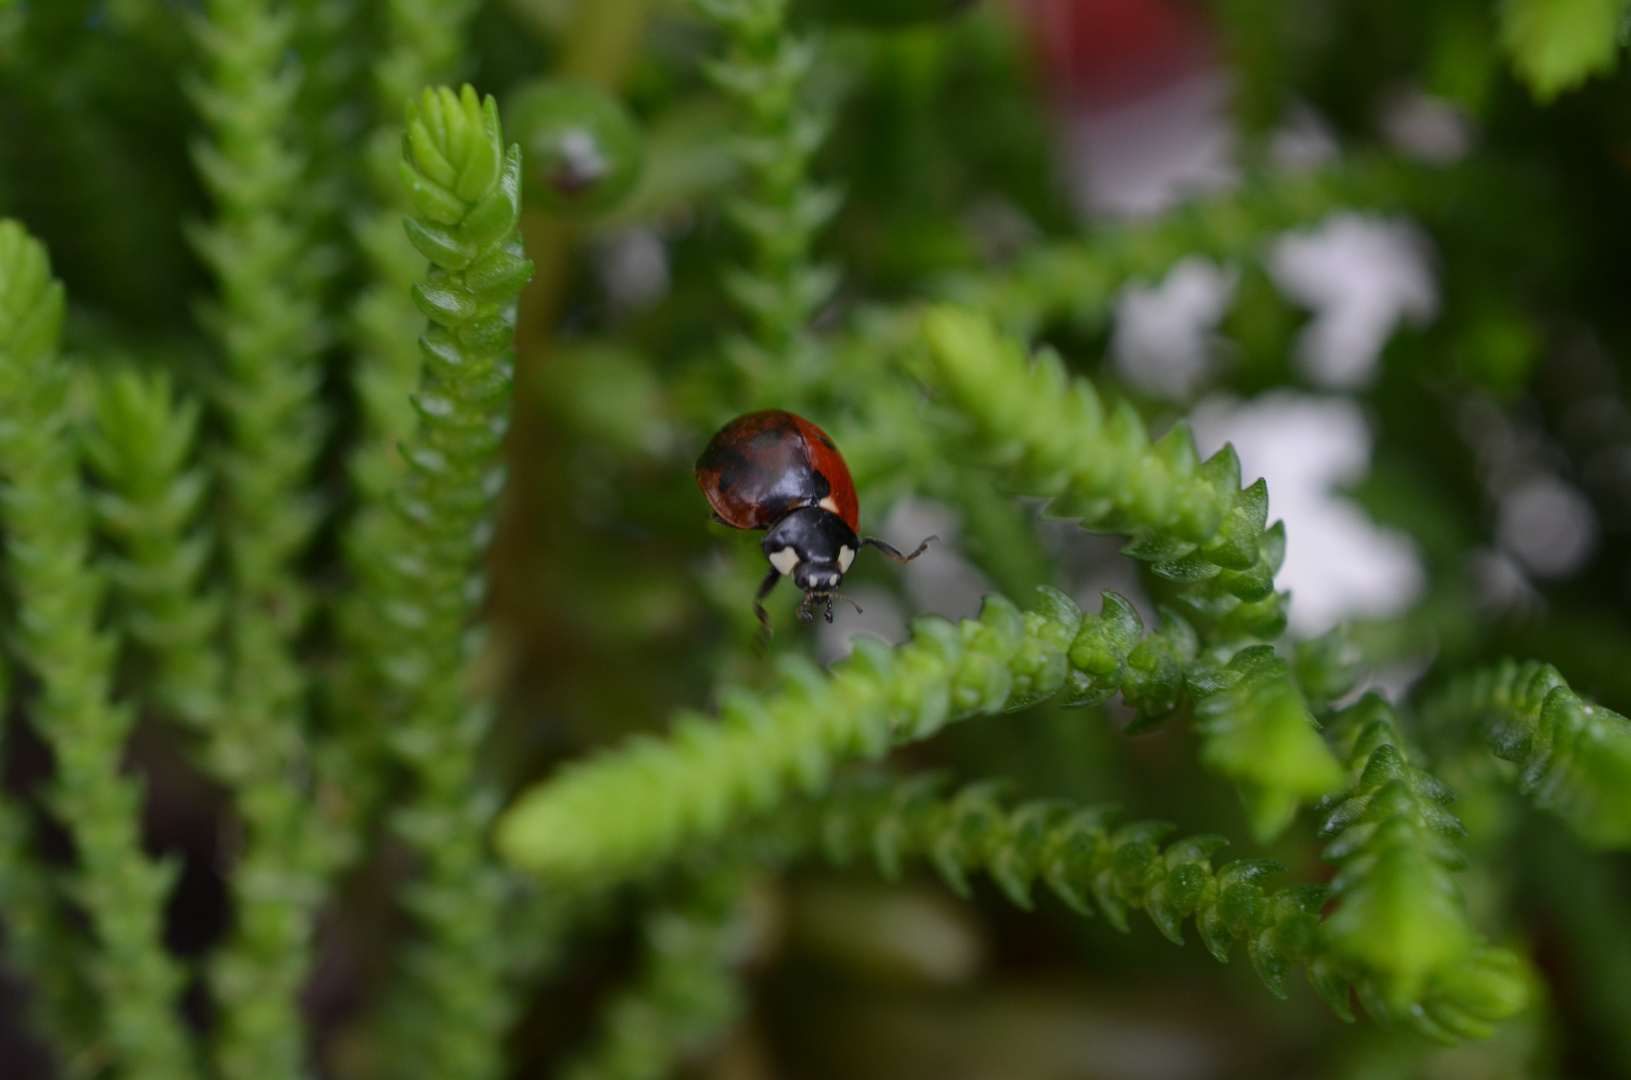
point(380, 703)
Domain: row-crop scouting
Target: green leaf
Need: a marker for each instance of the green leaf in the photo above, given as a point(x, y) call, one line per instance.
point(1573, 756)
point(1258, 732)
point(1556, 45)
point(57, 595)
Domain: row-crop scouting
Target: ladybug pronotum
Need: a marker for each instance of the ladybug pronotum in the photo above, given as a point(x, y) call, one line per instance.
point(776, 471)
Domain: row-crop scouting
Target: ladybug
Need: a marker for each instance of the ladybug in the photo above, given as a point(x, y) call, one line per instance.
point(773, 470)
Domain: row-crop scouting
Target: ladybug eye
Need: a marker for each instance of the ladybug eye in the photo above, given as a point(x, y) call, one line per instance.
point(582, 150)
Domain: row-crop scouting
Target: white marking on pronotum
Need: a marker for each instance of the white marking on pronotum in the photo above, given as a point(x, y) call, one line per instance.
point(845, 557)
point(828, 504)
point(784, 560)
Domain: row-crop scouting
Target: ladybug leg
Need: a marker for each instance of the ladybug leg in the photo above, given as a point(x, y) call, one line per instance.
point(758, 599)
point(892, 552)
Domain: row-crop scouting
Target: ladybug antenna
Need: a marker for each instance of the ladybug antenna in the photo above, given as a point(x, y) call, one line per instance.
point(892, 552)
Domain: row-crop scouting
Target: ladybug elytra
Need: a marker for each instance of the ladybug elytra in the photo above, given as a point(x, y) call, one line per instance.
point(776, 471)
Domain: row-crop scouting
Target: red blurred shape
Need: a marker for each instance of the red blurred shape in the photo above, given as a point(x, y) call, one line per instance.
point(1101, 53)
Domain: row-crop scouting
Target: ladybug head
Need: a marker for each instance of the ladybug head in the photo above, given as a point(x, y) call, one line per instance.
point(815, 548)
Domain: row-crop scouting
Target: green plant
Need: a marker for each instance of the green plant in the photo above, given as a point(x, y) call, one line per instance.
point(381, 705)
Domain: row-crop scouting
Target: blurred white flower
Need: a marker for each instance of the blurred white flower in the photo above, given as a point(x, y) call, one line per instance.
point(1339, 563)
point(632, 265)
point(1429, 129)
point(1304, 140)
point(1163, 338)
point(1360, 275)
point(1548, 524)
point(1137, 158)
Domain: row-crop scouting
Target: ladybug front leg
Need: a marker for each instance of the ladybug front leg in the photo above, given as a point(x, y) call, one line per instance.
point(758, 599)
point(894, 553)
